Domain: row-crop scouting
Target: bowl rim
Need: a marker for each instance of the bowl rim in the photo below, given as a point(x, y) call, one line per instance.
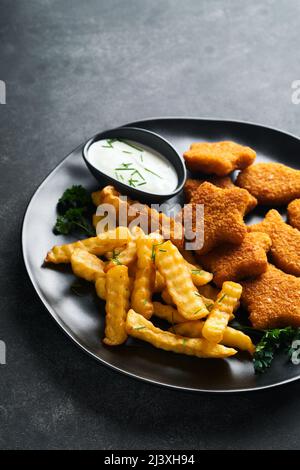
point(125, 187)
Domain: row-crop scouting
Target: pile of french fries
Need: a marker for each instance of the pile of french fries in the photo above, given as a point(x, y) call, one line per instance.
point(130, 269)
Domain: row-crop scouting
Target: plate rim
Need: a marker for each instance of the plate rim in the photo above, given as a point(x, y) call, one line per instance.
point(60, 322)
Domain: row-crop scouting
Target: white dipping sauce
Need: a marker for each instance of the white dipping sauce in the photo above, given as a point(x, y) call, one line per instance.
point(134, 165)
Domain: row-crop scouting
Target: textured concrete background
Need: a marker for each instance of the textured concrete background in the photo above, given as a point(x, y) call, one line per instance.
point(72, 68)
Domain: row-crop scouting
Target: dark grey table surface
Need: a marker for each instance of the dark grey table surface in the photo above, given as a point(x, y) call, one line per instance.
point(71, 68)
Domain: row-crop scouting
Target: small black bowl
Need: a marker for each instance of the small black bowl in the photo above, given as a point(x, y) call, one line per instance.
point(149, 139)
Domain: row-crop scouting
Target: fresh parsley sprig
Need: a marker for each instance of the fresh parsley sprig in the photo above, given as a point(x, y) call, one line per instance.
point(74, 209)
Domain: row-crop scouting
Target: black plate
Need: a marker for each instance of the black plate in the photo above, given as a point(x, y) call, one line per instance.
point(82, 317)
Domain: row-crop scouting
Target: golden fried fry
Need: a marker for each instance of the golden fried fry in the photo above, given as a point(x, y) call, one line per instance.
point(138, 327)
point(141, 299)
point(167, 225)
point(172, 267)
point(166, 297)
point(100, 286)
point(199, 276)
point(219, 158)
point(159, 282)
point(127, 255)
point(86, 265)
point(217, 320)
point(117, 304)
point(167, 312)
point(232, 338)
point(106, 241)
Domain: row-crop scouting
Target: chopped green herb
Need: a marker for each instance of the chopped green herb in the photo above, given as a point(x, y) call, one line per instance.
point(139, 328)
point(153, 173)
point(132, 145)
point(153, 249)
point(164, 251)
point(184, 341)
point(141, 184)
point(221, 298)
point(141, 157)
point(126, 151)
point(197, 271)
point(270, 343)
point(75, 209)
point(115, 258)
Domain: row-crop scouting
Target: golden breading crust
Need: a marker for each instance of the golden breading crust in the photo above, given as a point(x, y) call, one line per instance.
point(271, 183)
point(294, 213)
point(285, 249)
point(225, 182)
point(191, 184)
point(233, 263)
point(218, 158)
point(223, 215)
point(272, 299)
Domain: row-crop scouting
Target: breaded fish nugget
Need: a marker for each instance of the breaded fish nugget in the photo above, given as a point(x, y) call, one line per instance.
point(271, 183)
point(285, 249)
point(224, 210)
point(138, 327)
point(231, 337)
point(218, 158)
point(294, 213)
point(225, 182)
point(191, 185)
point(235, 262)
point(272, 299)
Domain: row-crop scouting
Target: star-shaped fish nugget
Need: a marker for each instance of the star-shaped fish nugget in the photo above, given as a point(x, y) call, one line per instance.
point(225, 182)
point(272, 299)
point(218, 158)
point(235, 262)
point(285, 249)
point(223, 216)
point(191, 185)
point(294, 213)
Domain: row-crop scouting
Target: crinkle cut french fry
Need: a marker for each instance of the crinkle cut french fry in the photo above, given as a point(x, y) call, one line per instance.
point(166, 297)
point(168, 313)
point(141, 298)
point(141, 328)
point(99, 245)
point(159, 282)
point(117, 304)
point(217, 320)
point(86, 265)
point(126, 255)
point(109, 195)
point(185, 296)
point(100, 286)
point(232, 338)
point(199, 276)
